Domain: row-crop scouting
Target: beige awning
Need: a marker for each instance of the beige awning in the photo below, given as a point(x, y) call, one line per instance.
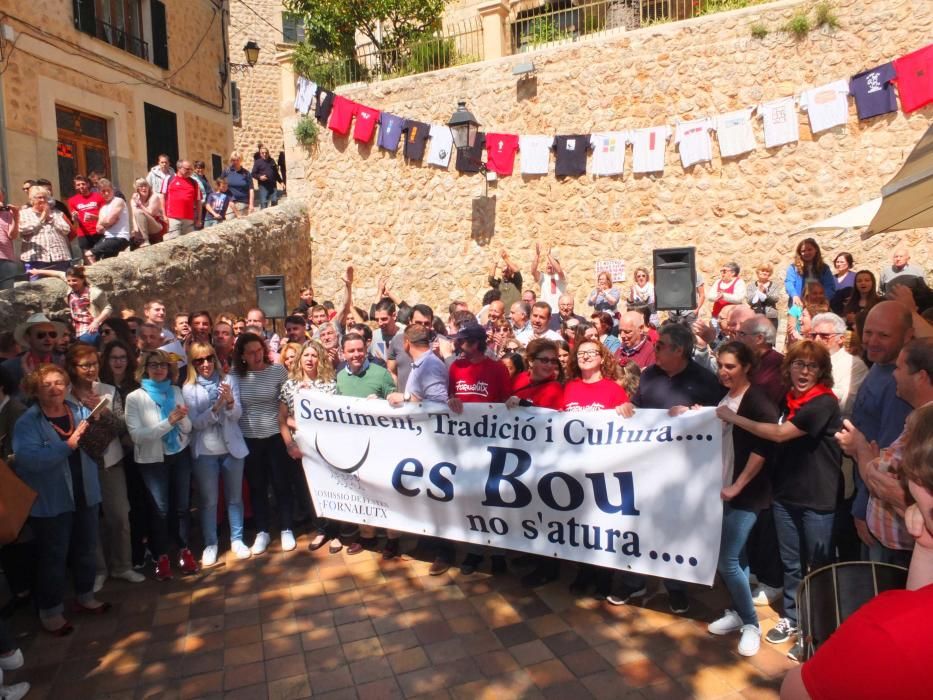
point(856, 217)
point(907, 200)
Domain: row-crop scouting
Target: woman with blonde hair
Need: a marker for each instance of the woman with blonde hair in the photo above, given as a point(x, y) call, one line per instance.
point(217, 447)
point(240, 187)
point(604, 297)
point(288, 353)
point(149, 222)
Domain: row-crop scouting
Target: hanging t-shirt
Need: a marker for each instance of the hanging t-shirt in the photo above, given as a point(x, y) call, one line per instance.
point(692, 138)
point(780, 122)
point(390, 130)
point(442, 143)
point(535, 152)
point(734, 132)
point(873, 91)
point(341, 115)
point(469, 159)
point(416, 136)
point(608, 152)
point(304, 95)
point(366, 118)
point(323, 105)
point(648, 147)
point(827, 105)
point(915, 78)
point(571, 154)
point(500, 153)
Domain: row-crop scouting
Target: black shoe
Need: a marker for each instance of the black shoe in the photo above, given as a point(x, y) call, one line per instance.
point(678, 601)
point(543, 574)
point(499, 565)
point(391, 549)
point(439, 567)
point(583, 580)
point(470, 564)
point(797, 652)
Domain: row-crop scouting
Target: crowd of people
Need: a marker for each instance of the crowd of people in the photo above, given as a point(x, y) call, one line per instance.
point(99, 221)
point(108, 415)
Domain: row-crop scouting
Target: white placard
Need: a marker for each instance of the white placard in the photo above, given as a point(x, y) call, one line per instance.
point(616, 268)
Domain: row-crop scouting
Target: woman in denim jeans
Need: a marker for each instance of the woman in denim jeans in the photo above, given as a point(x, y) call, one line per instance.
point(746, 490)
point(217, 446)
point(157, 419)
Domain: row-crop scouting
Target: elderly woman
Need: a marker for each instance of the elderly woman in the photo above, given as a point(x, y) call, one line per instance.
point(311, 370)
point(728, 290)
point(113, 221)
point(44, 233)
point(217, 446)
point(149, 222)
point(240, 185)
point(102, 443)
point(158, 422)
point(46, 441)
point(641, 296)
point(604, 322)
point(807, 480)
point(604, 297)
point(763, 294)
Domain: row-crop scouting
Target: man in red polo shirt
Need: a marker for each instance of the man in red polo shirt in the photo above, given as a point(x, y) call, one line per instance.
point(85, 209)
point(182, 201)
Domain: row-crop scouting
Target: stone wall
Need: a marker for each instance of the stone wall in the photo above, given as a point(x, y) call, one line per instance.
point(427, 228)
point(212, 269)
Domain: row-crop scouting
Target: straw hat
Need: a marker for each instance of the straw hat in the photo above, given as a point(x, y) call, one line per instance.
point(35, 320)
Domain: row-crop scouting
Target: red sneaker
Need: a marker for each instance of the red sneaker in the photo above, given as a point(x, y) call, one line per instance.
point(187, 562)
point(163, 570)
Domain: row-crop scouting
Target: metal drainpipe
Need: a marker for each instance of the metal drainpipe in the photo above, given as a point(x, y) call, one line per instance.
point(4, 168)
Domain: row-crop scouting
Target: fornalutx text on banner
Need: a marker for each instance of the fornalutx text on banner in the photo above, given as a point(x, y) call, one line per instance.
point(638, 494)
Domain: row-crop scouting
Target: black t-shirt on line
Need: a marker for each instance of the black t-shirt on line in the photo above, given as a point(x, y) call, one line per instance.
point(416, 136)
point(323, 104)
point(571, 154)
point(469, 160)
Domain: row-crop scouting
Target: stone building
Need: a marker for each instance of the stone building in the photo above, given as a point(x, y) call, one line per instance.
point(107, 85)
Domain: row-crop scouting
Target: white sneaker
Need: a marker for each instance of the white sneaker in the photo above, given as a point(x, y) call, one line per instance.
point(240, 550)
point(14, 692)
point(209, 555)
point(764, 595)
point(750, 642)
point(261, 543)
point(13, 661)
point(727, 624)
point(99, 581)
point(128, 575)
point(288, 541)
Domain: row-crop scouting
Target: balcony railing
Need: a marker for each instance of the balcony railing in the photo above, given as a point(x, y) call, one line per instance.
point(115, 36)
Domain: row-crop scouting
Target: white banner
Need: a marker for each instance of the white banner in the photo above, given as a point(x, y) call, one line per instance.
point(638, 494)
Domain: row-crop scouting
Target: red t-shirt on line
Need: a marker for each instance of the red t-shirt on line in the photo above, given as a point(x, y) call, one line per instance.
point(915, 78)
point(500, 152)
point(85, 206)
point(182, 196)
point(366, 118)
point(543, 394)
point(897, 625)
point(596, 396)
point(486, 381)
point(341, 115)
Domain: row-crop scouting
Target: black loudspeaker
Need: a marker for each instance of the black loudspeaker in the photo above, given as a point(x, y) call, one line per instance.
point(270, 295)
point(675, 278)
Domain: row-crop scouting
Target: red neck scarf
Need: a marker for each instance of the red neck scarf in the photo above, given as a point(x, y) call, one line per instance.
point(795, 403)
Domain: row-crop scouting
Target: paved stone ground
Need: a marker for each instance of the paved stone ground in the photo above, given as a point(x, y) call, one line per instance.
point(296, 625)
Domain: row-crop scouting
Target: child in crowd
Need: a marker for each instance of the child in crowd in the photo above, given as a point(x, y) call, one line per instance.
point(218, 204)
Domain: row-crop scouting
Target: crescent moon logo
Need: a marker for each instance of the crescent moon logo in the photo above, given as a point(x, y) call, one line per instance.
point(345, 470)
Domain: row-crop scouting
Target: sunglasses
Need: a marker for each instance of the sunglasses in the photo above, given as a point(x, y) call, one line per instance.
point(157, 365)
point(42, 335)
point(202, 360)
point(822, 336)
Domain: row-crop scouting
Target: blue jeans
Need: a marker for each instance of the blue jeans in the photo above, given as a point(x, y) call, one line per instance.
point(67, 538)
point(733, 561)
point(805, 538)
point(207, 469)
point(169, 486)
point(267, 196)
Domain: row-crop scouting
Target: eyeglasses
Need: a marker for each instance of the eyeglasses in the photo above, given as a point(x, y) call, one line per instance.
point(202, 360)
point(822, 336)
point(157, 365)
point(87, 365)
point(587, 354)
point(119, 358)
point(42, 335)
point(801, 365)
point(548, 360)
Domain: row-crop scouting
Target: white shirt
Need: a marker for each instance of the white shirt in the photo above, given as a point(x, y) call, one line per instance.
point(535, 154)
point(848, 374)
point(694, 141)
point(442, 142)
point(546, 294)
point(734, 131)
point(648, 148)
point(121, 227)
point(780, 122)
point(608, 152)
point(827, 105)
point(304, 95)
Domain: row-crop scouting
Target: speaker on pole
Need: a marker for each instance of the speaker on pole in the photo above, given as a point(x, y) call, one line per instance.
point(675, 278)
point(270, 295)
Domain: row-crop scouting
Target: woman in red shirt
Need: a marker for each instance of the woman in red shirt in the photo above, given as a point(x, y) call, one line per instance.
point(540, 385)
point(591, 387)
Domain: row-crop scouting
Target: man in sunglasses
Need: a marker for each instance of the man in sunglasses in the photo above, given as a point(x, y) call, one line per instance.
point(38, 335)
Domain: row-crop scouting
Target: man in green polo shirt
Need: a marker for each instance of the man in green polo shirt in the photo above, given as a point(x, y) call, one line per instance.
point(360, 377)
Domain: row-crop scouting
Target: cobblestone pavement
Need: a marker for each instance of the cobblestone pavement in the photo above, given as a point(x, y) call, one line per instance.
point(297, 625)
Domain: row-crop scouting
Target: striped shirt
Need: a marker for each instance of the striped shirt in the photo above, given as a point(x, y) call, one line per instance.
point(259, 394)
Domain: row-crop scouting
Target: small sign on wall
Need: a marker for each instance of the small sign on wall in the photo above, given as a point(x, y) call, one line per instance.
point(616, 268)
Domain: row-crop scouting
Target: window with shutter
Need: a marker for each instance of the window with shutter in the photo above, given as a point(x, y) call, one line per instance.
point(159, 34)
point(235, 103)
point(293, 28)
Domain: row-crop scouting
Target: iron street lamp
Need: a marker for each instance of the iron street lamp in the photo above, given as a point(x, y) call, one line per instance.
point(251, 50)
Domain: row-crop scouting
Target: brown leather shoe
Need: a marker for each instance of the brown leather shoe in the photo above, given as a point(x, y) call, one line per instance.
point(439, 567)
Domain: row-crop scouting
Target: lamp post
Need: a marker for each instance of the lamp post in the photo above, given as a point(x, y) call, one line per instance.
point(463, 129)
point(251, 51)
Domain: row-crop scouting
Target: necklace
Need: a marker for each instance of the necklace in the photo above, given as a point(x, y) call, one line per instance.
point(71, 424)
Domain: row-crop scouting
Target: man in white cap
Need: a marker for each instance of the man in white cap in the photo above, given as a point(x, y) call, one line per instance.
point(38, 335)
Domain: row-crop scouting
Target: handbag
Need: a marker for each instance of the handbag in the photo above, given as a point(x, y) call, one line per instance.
point(16, 499)
point(99, 434)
